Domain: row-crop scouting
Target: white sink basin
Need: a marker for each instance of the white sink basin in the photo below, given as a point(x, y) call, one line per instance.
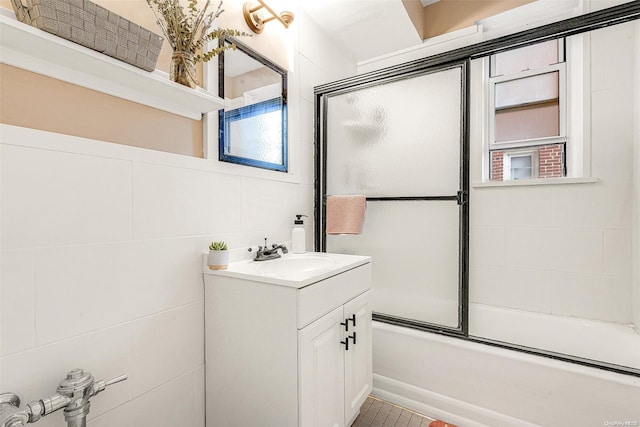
point(294, 265)
point(296, 270)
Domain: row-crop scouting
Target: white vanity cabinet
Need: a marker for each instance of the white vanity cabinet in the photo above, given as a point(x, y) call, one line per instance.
point(276, 349)
point(335, 365)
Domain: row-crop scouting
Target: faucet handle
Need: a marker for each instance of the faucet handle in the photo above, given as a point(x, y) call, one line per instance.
point(116, 380)
point(99, 386)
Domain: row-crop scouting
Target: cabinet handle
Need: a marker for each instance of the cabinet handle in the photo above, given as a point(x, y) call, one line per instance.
point(346, 344)
point(345, 324)
point(353, 337)
point(353, 319)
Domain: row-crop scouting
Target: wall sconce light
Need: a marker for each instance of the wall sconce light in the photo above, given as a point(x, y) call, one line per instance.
point(256, 22)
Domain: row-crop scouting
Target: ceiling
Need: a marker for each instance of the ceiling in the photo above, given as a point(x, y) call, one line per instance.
point(373, 28)
point(367, 28)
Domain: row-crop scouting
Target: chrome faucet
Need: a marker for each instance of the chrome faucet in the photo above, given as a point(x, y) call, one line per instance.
point(73, 395)
point(265, 254)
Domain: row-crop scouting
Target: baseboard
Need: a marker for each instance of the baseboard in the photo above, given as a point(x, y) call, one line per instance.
point(441, 407)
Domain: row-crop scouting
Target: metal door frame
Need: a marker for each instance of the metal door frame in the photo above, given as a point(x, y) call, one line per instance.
point(461, 197)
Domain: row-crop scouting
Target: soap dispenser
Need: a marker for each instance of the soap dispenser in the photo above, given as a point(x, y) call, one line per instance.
point(298, 243)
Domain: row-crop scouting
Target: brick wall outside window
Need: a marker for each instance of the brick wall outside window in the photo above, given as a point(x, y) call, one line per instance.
point(550, 161)
point(497, 159)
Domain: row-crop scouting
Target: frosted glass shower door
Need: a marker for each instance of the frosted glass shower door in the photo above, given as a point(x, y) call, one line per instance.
point(399, 144)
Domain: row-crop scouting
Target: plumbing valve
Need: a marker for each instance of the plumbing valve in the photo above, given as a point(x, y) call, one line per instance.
point(73, 395)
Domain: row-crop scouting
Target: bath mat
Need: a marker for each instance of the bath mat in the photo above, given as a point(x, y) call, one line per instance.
point(439, 423)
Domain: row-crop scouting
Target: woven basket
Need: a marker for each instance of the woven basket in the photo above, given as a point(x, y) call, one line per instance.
point(93, 26)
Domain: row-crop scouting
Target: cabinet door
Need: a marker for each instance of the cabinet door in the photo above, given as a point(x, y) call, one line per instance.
point(321, 365)
point(358, 361)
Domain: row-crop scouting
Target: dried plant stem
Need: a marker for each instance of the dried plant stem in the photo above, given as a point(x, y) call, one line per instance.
point(189, 32)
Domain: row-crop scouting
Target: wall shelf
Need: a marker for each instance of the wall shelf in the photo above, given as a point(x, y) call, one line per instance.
point(31, 49)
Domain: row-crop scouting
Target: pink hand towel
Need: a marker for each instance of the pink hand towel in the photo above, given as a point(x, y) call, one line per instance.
point(345, 214)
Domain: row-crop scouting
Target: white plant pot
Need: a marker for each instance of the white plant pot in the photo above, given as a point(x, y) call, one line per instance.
point(218, 260)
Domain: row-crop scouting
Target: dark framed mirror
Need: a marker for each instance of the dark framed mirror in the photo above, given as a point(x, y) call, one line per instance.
point(252, 128)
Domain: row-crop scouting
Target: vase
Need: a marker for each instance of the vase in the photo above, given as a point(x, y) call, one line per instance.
point(183, 69)
point(218, 260)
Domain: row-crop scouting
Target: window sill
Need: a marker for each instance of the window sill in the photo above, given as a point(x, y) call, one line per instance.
point(537, 181)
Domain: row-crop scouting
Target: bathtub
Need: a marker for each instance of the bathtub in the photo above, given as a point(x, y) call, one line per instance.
point(609, 342)
point(473, 384)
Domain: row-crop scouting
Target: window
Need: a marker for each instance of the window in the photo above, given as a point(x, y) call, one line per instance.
point(257, 135)
point(528, 112)
point(520, 165)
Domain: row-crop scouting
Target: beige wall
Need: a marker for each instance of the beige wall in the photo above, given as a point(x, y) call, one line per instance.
point(38, 102)
point(449, 15)
point(235, 87)
point(34, 101)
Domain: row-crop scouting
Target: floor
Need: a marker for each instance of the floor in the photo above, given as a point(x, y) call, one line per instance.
point(378, 413)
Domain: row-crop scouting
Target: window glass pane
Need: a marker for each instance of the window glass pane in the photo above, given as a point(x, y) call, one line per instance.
point(525, 58)
point(257, 132)
point(521, 167)
point(539, 88)
point(532, 121)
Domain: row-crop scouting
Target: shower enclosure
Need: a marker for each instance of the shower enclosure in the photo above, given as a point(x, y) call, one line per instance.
point(545, 269)
point(400, 142)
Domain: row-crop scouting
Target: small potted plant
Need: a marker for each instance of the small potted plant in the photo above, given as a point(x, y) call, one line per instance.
point(218, 258)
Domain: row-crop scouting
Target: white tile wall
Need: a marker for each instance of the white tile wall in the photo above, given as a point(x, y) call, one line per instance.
point(575, 238)
point(172, 404)
point(63, 198)
point(177, 335)
point(530, 208)
point(170, 202)
point(618, 254)
point(307, 121)
point(487, 245)
point(101, 252)
point(579, 250)
point(179, 283)
point(528, 247)
point(636, 195)
point(591, 296)
point(519, 288)
point(488, 207)
point(17, 317)
point(81, 289)
point(579, 205)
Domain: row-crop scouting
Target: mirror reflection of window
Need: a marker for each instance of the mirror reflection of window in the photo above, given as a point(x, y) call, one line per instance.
point(253, 126)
